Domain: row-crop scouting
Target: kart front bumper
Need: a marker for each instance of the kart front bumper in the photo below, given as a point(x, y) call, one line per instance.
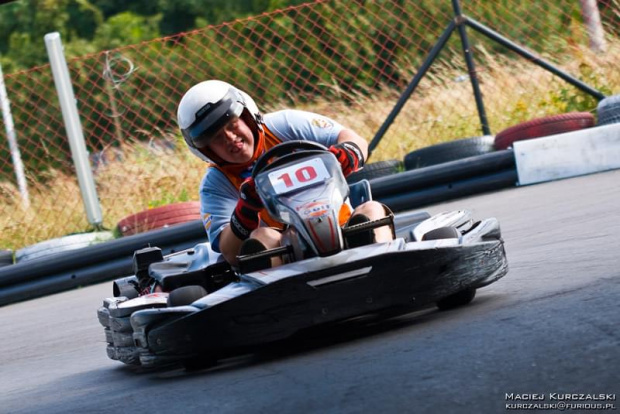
point(273, 304)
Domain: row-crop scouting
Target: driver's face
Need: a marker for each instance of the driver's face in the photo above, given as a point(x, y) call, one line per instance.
point(234, 142)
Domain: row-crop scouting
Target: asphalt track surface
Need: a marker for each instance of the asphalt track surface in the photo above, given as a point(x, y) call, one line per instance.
point(550, 327)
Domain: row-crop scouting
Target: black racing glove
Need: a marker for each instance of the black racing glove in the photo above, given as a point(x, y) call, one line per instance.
point(245, 217)
point(349, 155)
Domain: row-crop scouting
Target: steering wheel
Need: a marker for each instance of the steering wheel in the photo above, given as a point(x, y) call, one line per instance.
point(285, 152)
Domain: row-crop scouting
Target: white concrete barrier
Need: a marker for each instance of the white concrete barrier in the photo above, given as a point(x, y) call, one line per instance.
point(567, 155)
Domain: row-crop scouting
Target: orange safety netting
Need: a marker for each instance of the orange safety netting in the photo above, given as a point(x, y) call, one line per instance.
point(347, 59)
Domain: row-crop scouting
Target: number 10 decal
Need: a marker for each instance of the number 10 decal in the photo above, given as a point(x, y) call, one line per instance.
point(302, 175)
point(298, 176)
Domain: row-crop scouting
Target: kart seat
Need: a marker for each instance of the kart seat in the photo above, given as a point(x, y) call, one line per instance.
point(359, 192)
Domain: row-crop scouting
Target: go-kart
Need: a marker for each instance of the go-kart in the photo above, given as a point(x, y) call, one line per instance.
point(193, 306)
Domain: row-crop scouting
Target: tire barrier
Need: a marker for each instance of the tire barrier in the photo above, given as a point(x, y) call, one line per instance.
point(449, 151)
point(449, 172)
point(406, 190)
point(96, 264)
point(376, 170)
point(61, 244)
point(451, 190)
point(93, 264)
point(78, 277)
point(159, 217)
point(542, 127)
point(6, 257)
point(423, 186)
point(608, 110)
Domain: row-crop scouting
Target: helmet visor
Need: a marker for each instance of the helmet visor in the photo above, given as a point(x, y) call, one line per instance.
point(211, 117)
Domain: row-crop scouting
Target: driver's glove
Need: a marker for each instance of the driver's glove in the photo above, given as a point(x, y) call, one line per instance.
point(349, 156)
point(245, 217)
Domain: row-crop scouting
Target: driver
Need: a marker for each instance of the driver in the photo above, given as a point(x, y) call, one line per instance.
point(223, 127)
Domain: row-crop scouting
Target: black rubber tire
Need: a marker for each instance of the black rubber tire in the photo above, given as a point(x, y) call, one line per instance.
point(186, 295)
point(62, 244)
point(158, 217)
point(441, 233)
point(6, 257)
point(376, 170)
point(458, 299)
point(449, 151)
point(542, 127)
point(608, 110)
point(416, 197)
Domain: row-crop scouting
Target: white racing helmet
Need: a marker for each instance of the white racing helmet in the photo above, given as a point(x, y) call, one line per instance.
point(206, 107)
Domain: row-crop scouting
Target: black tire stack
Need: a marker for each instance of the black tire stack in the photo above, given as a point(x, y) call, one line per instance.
point(449, 151)
point(375, 170)
point(608, 110)
point(445, 171)
point(474, 165)
point(6, 257)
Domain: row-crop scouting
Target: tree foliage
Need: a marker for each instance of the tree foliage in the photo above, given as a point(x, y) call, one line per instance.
point(299, 55)
point(92, 25)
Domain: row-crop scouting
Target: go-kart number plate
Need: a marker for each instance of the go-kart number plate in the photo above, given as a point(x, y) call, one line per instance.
point(298, 176)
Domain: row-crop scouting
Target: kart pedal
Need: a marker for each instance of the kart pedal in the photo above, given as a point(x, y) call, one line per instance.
point(253, 261)
point(358, 231)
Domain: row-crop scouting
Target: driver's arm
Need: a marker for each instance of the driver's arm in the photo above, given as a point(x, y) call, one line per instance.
point(348, 135)
point(229, 245)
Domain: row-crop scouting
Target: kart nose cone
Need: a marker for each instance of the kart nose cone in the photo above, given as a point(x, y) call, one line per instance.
point(142, 320)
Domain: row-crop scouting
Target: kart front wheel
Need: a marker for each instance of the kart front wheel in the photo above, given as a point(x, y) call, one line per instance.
point(457, 299)
point(186, 295)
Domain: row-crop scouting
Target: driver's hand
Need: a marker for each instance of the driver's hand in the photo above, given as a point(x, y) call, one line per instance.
point(349, 156)
point(245, 217)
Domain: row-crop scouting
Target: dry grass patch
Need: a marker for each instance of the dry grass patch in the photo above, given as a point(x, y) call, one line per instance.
point(141, 175)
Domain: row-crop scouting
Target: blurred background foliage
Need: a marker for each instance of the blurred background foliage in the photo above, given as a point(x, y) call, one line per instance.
point(88, 26)
point(130, 62)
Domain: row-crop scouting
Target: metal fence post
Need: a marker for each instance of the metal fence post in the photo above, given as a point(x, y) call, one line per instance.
point(73, 127)
point(18, 166)
point(592, 21)
point(471, 67)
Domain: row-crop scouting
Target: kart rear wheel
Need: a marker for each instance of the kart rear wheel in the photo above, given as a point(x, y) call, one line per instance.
point(186, 295)
point(458, 299)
